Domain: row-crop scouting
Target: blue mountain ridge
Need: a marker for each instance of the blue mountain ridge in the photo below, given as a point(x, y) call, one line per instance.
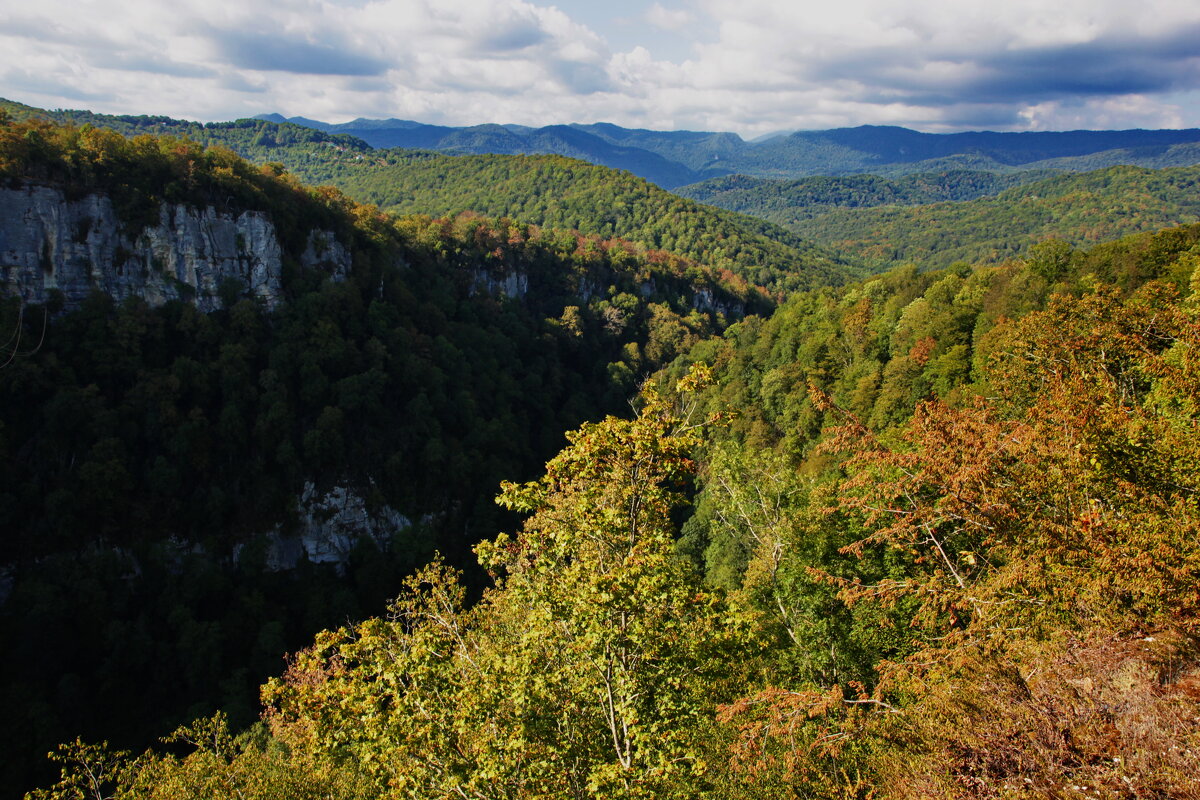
point(677, 158)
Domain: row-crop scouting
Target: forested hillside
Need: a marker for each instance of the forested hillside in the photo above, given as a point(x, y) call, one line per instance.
point(939, 543)
point(673, 158)
point(542, 190)
point(593, 143)
point(786, 202)
point(1083, 209)
point(154, 456)
point(937, 219)
point(563, 193)
point(257, 141)
point(897, 151)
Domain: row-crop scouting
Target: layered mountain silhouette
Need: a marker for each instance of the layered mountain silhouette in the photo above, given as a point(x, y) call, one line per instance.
point(585, 142)
point(676, 158)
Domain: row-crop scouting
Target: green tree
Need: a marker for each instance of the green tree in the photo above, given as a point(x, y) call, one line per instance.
point(586, 672)
point(1050, 259)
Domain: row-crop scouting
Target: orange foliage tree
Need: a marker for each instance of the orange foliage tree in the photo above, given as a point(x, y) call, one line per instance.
point(1053, 530)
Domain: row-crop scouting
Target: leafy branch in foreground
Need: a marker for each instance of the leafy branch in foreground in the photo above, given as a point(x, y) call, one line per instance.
point(585, 672)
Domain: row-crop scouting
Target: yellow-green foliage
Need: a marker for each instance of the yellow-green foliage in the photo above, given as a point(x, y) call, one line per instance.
point(586, 671)
point(1053, 559)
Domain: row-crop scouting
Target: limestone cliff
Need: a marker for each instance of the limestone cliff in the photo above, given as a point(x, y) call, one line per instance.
point(330, 525)
point(48, 242)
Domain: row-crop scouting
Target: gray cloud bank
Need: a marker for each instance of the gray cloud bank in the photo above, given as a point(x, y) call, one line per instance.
point(754, 65)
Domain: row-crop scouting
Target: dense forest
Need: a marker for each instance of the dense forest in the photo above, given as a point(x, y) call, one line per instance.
point(592, 143)
point(928, 534)
point(254, 140)
point(673, 158)
point(787, 202)
point(160, 441)
point(562, 193)
point(890, 150)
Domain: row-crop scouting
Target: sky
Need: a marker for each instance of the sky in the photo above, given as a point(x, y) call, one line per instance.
point(750, 66)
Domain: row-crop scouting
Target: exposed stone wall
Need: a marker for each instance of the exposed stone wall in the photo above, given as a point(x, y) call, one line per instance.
point(499, 283)
point(331, 524)
point(48, 242)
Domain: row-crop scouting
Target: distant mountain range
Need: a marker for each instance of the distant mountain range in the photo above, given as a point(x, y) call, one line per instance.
point(677, 158)
point(668, 159)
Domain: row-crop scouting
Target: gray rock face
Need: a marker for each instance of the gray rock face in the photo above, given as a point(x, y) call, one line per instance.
point(325, 252)
point(499, 283)
point(48, 242)
point(331, 524)
point(706, 300)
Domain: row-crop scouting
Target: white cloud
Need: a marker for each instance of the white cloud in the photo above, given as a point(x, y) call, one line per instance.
point(756, 65)
point(944, 64)
point(667, 19)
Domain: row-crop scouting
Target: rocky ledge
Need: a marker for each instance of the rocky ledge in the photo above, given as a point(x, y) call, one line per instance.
point(50, 243)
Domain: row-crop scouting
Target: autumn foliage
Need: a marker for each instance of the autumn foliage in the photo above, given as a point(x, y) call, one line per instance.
point(1052, 530)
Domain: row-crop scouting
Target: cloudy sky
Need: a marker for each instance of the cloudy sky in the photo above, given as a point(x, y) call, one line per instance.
point(750, 66)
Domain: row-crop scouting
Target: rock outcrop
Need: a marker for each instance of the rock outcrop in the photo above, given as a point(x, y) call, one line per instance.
point(331, 524)
point(499, 283)
point(48, 243)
